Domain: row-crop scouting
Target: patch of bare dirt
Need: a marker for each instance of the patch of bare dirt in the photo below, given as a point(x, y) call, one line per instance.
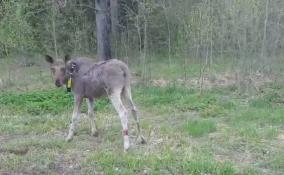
point(18, 151)
point(223, 79)
point(66, 164)
point(280, 137)
point(240, 158)
point(160, 82)
point(208, 81)
point(232, 78)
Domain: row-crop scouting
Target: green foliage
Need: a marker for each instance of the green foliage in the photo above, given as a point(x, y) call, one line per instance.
point(15, 32)
point(37, 102)
point(54, 101)
point(179, 98)
point(209, 104)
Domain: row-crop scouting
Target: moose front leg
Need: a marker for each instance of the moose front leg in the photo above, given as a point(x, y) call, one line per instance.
point(92, 117)
point(75, 117)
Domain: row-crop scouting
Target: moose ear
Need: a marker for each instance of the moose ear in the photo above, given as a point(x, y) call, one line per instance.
point(49, 59)
point(67, 58)
point(74, 67)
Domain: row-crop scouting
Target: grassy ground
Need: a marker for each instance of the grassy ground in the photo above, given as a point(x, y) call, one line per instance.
point(218, 132)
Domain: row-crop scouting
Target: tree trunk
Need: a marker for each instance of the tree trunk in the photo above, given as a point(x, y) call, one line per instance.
point(114, 24)
point(114, 15)
point(263, 48)
point(54, 29)
point(103, 22)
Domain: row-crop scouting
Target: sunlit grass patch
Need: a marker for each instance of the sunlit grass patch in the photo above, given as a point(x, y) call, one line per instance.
point(276, 161)
point(212, 111)
point(250, 133)
point(272, 96)
point(37, 163)
point(57, 101)
point(254, 124)
point(199, 128)
point(169, 116)
point(36, 143)
point(36, 102)
point(166, 163)
point(178, 99)
point(270, 133)
point(24, 124)
point(261, 117)
point(249, 171)
point(11, 163)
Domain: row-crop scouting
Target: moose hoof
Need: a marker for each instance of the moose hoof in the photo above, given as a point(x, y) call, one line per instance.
point(126, 148)
point(95, 134)
point(126, 144)
point(141, 140)
point(69, 139)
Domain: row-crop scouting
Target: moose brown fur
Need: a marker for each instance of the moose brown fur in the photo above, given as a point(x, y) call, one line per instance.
point(92, 80)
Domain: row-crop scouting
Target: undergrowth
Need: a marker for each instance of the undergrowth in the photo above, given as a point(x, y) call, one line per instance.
point(54, 101)
point(240, 128)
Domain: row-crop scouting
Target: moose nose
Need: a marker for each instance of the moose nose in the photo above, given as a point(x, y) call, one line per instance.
point(57, 83)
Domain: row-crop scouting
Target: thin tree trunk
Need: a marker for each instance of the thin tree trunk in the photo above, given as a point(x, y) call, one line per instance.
point(139, 35)
point(263, 48)
point(145, 47)
point(54, 29)
point(169, 34)
point(114, 4)
point(103, 22)
point(278, 35)
point(211, 38)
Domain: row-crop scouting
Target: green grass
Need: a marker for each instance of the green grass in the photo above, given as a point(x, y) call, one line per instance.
point(36, 143)
point(216, 132)
point(33, 163)
point(158, 67)
point(24, 124)
point(56, 101)
point(199, 128)
point(169, 163)
point(276, 161)
point(53, 101)
point(170, 115)
point(180, 99)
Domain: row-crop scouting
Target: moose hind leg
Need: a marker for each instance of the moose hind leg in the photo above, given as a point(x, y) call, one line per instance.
point(128, 97)
point(92, 117)
point(115, 98)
